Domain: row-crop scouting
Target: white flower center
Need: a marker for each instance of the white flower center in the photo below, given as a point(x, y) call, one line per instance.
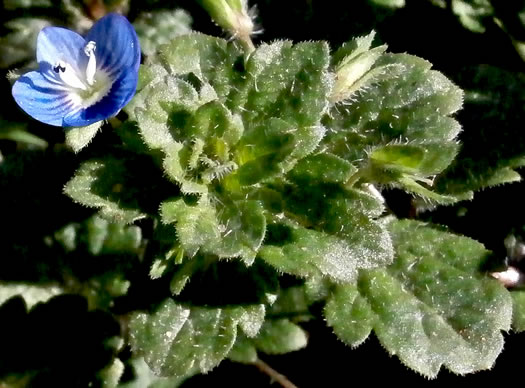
point(86, 88)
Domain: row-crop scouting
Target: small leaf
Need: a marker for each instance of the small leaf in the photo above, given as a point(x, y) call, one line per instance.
point(99, 184)
point(17, 132)
point(472, 14)
point(350, 315)
point(280, 336)
point(211, 60)
point(243, 350)
point(245, 228)
point(31, 294)
point(414, 187)
point(104, 237)
point(197, 226)
point(79, 137)
point(178, 341)
point(235, 229)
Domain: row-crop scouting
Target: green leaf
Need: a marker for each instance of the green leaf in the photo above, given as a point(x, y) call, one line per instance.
point(104, 237)
point(473, 13)
point(389, 3)
point(145, 378)
point(17, 132)
point(338, 234)
point(102, 184)
point(178, 341)
point(32, 294)
point(431, 307)
point(14, 4)
point(273, 148)
point(414, 187)
point(350, 315)
point(398, 125)
point(324, 167)
point(279, 337)
point(211, 60)
point(307, 253)
point(415, 159)
point(243, 350)
point(79, 137)
point(290, 82)
point(234, 229)
point(518, 310)
point(197, 226)
point(347, 237)
point(245, 229)
point(100, 237)
point(160, 27)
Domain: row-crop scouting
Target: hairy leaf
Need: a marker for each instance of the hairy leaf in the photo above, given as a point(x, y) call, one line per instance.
point(177, 341)
point(344, 238)
point(98, 183)
point(431, 307)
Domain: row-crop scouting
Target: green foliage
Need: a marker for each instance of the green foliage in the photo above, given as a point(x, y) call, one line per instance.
point(239, 194)
point(431, 307)
point(78, 138)
point(473, 13)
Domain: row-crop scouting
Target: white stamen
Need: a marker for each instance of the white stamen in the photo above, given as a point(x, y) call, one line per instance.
point(68, 75)
point(91, 67)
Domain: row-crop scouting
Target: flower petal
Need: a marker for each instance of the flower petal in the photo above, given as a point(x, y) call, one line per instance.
point(58, 44)
point(119, 95)
point(43, 99)
point(118, 48)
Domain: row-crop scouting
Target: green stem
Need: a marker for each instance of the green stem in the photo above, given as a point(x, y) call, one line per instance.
point(354, 178)
point(247, 44)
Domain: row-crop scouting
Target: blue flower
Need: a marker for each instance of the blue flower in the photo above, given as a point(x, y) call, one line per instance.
point(81, 81)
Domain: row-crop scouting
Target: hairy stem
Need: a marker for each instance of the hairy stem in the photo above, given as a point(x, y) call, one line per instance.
point(275, 376)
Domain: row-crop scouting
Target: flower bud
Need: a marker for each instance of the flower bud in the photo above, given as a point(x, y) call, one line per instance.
point(353, 70)
point(231, 15)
